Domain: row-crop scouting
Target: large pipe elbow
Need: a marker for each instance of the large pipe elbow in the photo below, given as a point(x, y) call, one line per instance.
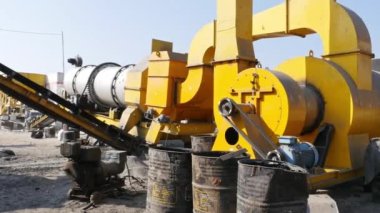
point(200, 57)
point(200, 46)
point(330, 20)
point(346, 40)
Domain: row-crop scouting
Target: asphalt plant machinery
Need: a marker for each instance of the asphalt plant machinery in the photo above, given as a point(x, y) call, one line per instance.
point(319, 113)
point(94, 175)
point(14, 114)
point(326, 107)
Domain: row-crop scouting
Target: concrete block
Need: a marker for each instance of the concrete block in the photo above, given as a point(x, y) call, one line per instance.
point(322, 203)
point(70, 149)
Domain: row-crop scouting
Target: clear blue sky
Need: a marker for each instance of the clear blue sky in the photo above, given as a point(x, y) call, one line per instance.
point(121, 30)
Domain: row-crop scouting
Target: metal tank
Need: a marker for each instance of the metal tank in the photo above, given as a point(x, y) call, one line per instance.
point(202, 143)
point(271, 186)
point(169, 180)
point(103, 84)
point(214, 182)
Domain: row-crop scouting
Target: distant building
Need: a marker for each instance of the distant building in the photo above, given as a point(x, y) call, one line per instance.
point(55, 82)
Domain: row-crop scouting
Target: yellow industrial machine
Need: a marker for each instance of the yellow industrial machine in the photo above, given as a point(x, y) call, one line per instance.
point(9, 104)
point(330, 102)
point(14, 113)
point(319, 113)
point(6, 103)
point(301, 95)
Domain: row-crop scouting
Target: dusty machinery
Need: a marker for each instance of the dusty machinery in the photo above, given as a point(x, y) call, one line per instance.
point(330, 106)
point(14, 114)
point(319, 113)
point(94, 176)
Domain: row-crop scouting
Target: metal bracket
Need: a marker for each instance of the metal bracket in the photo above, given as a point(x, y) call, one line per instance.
point(264, 144)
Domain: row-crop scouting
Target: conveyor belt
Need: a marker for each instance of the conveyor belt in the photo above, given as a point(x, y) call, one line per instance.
point(41, 122)
point(47, 102)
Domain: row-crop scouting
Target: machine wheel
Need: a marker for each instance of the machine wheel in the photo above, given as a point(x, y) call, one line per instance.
point(37, 134)
point(96, 198)
point(70, 194)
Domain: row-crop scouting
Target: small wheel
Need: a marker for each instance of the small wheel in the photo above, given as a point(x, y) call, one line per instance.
point(37, 134)
point(96, 198)
point(70, 194)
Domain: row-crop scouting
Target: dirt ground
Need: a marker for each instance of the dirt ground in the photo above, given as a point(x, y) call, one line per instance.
point(33, 181)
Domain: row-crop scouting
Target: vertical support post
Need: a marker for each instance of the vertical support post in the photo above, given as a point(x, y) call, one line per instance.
point(233, 54)
point(234, 30)
point(63, 52)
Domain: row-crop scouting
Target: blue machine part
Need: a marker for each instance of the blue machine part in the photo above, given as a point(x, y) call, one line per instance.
point(302, 154)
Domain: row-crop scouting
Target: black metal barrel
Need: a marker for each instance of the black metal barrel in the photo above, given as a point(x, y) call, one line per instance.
point(169, 180)
point(214, 182)
point(270, 186)
point(49, 132)
point(202, 143)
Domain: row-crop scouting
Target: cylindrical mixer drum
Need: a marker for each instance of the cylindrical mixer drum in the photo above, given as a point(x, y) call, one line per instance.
point(76, 79)
point(109, 86)
point(103, 84)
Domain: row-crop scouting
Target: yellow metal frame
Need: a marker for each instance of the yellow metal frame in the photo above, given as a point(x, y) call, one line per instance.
point(347, 62)
point(35, 100)
point(345, 38)
point(221, 64)
point(9, 102)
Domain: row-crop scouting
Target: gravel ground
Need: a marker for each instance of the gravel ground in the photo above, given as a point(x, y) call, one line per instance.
point(33, 181)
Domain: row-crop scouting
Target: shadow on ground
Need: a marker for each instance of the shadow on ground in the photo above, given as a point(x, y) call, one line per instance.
point(17, 146)
point(352, 198)
point(19, 192)
point(32, 193)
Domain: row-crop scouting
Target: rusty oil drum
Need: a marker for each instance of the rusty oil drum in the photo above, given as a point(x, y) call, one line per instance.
point(214, 182)
point(270, 186)
point(169, 180)
point(202, 143)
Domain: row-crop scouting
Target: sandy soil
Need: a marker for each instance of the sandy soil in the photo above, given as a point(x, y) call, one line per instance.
point(32, 181)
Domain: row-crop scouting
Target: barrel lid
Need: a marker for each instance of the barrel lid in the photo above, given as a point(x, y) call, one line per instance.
point(216, 154)
point(211, 135)
point(272, 164)
point(171, 149)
